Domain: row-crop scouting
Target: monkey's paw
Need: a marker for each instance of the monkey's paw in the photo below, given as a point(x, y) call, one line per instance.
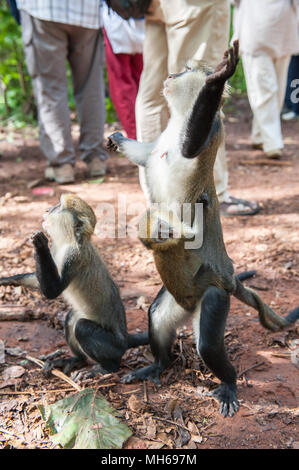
point(227, 396)
point(114, 141)
point(39, 239)
point(151, 373)
point(67, 365)
point(90, 373)
point(226, 68)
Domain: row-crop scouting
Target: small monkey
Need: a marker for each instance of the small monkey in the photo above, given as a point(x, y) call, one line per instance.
point(197, 282)
point(95, 328)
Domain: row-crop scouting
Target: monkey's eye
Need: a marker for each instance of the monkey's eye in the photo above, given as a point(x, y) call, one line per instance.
point(54, 208)
point(188, 68)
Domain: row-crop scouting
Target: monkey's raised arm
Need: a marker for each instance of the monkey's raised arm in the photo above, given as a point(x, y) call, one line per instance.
point(203, 122)
point(136, 152)
point(51, 283)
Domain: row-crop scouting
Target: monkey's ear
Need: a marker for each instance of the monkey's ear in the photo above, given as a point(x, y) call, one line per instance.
point(163, 231)
point(78, 229)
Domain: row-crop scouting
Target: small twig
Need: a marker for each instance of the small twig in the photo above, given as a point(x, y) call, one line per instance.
point(263, 161)
point(171, 422)
point(56, 372)
point(14, 313)
point(145, 394)
point(106, 385)
point(285, 355)
point(12, 435)
point(131, 391)
point(7, 432)
point(250, 368)
point(258, 287)
point(36, 392)
point(99, 378)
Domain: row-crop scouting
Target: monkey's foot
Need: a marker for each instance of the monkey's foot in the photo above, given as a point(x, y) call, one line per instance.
point(90, 373)
point(227, 396)
point(114, 141)
point(66, 365)
point(151, 373)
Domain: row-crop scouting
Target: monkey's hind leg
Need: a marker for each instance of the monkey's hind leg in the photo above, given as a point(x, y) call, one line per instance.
point(164, 317)
point(100, 345)
point(214, 310)
point(68, 364)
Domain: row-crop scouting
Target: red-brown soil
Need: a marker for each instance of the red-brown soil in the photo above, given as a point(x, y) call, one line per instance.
point(267, 242)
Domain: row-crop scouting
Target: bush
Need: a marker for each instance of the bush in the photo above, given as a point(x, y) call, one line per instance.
point(16, 97)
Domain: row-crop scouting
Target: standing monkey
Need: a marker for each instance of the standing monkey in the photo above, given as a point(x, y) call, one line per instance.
point(95, 328)
point(179, 169)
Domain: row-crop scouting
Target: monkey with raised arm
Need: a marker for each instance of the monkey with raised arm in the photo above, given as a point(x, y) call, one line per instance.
point(197, 282)
point(95, 328)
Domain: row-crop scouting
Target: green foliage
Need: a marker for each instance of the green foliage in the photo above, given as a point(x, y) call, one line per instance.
point(111, 115)
point(16, 98)
point(85, 420)
point(237, 81)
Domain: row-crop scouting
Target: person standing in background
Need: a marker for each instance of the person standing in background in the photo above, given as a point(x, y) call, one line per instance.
point(175, 32)
point(268, 36)
point(124, 42)
point(53, 32)
point(291, 101)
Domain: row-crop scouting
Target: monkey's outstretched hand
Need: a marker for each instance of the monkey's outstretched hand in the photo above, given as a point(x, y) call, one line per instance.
point(114, 141)
point(39, 239)
point(226, 68)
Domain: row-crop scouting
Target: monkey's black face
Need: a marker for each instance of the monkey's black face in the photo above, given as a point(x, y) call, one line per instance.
point(48, 213)
point(181, 89)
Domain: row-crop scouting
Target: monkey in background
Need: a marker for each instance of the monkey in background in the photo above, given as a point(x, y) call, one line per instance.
point(95, 328)
point(199, 282)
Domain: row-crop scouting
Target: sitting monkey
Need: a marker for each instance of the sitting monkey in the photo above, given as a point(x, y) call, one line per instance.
point(96, 326)
point(197, 282)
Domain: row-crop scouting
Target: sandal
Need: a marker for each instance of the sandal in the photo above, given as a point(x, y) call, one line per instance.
point(234, 206)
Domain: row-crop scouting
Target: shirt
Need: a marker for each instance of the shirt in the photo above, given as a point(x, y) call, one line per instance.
point(125, 36)
point(85, 13)
point(267, 26)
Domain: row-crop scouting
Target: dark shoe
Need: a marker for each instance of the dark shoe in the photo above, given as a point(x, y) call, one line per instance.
point(234, 206)
point(63, 174)
point(96, 167)
point(275, 154)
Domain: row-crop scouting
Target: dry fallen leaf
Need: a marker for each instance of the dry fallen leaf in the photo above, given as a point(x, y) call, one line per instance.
point(13, 372)
point(135, 405)
point(151, 429)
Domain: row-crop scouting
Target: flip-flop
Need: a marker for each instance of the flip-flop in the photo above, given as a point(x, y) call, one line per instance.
point(233, 202)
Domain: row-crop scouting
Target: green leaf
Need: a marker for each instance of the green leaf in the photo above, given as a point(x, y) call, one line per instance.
point(85, 420)
point(96, 181)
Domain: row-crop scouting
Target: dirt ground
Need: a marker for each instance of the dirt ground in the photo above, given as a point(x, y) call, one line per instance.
point(177, 414)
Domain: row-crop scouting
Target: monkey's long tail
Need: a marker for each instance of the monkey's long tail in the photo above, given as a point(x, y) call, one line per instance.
point(138, 339)
point(268, 318)
point(245, 275)
point(26, 280)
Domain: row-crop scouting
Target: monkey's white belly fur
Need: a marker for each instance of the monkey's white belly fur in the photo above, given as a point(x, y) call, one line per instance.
point(167, 169)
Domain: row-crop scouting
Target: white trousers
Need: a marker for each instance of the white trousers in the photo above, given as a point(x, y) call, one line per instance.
point(266, 80)
point(175, 32)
